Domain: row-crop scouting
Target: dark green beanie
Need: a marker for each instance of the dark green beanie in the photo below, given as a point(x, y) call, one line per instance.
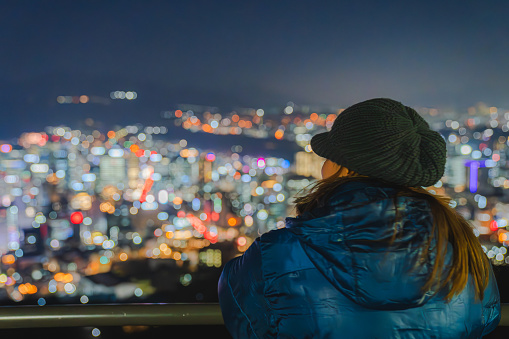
point(384, 139)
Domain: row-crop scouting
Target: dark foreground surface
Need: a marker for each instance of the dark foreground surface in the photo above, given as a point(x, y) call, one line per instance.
point(500, 332)
point(127, 332)
point(136, 332)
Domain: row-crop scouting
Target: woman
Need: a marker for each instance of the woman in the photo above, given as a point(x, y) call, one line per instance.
point(371, 254)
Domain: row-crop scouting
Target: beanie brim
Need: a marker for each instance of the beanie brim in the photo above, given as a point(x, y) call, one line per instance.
point(322, 146)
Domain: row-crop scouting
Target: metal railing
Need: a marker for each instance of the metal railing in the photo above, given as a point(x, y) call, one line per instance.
point(109, 315)
point(123, 315)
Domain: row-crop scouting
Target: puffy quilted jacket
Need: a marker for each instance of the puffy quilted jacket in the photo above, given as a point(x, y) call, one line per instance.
point(325, 276)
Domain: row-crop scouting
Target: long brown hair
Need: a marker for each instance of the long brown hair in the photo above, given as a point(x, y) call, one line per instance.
point(448, 226)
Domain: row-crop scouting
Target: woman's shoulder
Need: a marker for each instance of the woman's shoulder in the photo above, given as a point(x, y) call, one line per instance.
point(359, 192)
point(358, 198)
point(281, 235)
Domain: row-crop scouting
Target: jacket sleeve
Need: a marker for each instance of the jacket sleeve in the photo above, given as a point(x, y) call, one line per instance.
point(491, 305)
point(241, 298)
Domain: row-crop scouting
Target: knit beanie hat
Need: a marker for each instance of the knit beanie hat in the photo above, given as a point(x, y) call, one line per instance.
point(382, 138)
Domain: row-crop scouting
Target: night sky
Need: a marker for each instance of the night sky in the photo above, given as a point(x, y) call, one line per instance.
point(245, 53)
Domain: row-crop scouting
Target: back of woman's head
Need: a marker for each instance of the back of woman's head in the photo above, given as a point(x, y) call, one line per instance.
point(384, 140)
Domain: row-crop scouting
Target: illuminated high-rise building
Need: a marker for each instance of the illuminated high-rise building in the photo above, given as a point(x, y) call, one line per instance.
point(112, 171)
point(455, 171)
point(308, 164)
point(13, 235)
point(133, 171)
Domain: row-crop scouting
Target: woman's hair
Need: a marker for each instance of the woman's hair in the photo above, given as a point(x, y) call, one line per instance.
point(321, 190)
point(448, 226)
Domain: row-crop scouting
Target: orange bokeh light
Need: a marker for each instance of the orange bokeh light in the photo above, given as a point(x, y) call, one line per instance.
point(67, 278)
point(59, 276)
point(279, 134)
point(8, 259)
point(206, 128)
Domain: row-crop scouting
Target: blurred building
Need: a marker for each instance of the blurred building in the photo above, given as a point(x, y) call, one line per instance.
point(308, 164)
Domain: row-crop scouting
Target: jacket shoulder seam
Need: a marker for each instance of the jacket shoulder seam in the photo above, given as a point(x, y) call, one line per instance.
point(238, 305)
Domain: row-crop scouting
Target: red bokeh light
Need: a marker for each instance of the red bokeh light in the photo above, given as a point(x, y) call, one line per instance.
point(215, 216)
point(76, 218)
point(493, 225)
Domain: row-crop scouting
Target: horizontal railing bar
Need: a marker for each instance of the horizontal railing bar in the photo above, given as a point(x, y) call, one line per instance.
point(110, 315)
point(504, 321)
point(123, 315)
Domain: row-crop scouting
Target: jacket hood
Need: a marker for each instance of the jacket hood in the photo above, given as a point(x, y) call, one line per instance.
point(349, 241)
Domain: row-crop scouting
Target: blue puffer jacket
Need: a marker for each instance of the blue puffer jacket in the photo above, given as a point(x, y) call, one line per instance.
point(325, 276)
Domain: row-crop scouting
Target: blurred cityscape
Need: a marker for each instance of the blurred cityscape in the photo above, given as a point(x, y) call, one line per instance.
point(131, 214)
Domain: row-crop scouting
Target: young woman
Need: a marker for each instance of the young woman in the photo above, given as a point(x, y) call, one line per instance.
point(371, 254)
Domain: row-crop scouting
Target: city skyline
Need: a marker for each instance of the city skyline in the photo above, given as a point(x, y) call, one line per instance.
point(101, 106)
point(81, 211)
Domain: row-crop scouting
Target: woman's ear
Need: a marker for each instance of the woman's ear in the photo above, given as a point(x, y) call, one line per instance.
point(329, 168)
